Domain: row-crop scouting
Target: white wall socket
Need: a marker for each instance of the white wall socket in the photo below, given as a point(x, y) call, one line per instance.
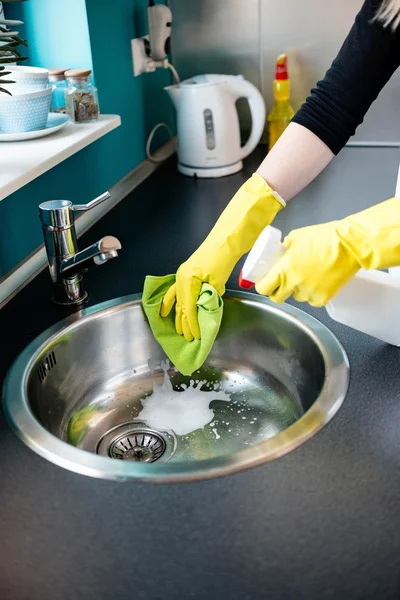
point(141, 62)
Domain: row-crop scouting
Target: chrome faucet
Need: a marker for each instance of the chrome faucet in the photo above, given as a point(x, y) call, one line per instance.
point(66, 263)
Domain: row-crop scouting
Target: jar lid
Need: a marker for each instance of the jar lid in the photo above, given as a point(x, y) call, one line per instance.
point(57, 74)
point(57, 71)
point(78, 73)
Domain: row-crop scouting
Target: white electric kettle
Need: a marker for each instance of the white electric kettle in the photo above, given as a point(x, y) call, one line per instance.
point(208, 123)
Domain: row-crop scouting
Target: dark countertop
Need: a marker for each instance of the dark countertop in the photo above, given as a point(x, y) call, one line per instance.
point(323, 522)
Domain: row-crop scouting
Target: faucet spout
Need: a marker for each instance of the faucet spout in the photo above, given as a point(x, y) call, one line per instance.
point(66, 263)
point(99, 253)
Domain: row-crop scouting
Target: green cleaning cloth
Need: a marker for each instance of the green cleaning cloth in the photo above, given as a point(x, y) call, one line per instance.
point(186, 356)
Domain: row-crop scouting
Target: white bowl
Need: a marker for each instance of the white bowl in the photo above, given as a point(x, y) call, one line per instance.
point(24, 112)
point(27, 79)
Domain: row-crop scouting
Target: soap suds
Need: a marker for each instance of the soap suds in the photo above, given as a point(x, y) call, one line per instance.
point(217, 437)
point(181, 412)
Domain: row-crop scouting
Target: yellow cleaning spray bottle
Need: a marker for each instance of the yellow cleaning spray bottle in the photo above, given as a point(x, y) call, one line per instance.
point(282, 112)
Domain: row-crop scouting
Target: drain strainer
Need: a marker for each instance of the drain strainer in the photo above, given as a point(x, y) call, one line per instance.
point(136, 442)
point(143, 446)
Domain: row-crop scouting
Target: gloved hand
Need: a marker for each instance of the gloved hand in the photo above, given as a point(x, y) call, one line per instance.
point(321, 259)
point(252, 208)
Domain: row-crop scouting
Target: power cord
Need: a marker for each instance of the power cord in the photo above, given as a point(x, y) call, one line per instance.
point(162, 158)
point(174, 72)
point(165, 64)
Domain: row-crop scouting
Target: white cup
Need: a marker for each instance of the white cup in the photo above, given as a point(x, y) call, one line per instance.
point(27, 79)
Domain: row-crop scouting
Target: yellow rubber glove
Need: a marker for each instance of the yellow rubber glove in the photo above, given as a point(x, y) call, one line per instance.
point(321, 259)
point(252, 208)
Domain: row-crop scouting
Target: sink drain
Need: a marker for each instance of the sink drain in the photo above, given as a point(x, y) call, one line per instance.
point(143, 446)
point(136, 442)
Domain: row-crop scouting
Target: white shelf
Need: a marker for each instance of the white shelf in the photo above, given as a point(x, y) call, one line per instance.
point(21, 162)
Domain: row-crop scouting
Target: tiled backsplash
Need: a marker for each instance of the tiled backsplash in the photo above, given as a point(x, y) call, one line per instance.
point(245, 36)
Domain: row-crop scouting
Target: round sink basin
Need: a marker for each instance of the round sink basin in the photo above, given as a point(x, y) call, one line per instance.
point(84, 394)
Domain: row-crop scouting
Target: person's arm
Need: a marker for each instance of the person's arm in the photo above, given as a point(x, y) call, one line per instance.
point(294, 161)
point(336, 107)
point(319, 130)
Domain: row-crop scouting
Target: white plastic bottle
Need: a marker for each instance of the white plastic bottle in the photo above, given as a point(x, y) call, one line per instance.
point(370, 302)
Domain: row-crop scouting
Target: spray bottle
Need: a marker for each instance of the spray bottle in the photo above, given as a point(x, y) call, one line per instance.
point(369, 302)
point(282, 112)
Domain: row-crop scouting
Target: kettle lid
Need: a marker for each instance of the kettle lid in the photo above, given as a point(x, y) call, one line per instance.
point(209, 79)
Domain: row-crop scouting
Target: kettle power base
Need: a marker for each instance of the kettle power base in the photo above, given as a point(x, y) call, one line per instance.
point(210, 172)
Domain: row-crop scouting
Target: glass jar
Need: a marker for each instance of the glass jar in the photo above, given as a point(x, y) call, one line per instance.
point(81, 97)
point(59, 85)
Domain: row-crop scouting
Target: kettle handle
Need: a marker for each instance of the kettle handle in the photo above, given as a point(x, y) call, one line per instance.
point(241, 88)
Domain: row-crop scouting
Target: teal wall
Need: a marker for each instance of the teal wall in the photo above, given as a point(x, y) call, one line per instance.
point(58, 32)
point(141, 103)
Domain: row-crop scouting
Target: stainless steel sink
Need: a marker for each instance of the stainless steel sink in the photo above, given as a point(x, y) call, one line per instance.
point(75, 394)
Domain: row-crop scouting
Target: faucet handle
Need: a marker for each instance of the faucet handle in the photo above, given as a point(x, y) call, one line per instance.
point(59, 213)
point(92, 203)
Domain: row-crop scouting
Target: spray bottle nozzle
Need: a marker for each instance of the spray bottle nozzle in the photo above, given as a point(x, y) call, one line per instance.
point(245, 283)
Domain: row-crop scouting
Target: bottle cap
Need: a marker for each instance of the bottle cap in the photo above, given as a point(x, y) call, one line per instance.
point(281, 70)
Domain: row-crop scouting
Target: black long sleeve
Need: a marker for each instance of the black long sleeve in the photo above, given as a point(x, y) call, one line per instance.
point(365, 63)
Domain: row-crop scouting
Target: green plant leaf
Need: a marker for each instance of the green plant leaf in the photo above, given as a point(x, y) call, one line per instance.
point(5, 91)
point(6, 33)
point(7, 22)
point(12, 59)
point(21, 41)
point(12, 45)
point(11, 40)
point(14, 40)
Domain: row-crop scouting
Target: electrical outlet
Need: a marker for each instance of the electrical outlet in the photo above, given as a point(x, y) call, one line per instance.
point(141, 62)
